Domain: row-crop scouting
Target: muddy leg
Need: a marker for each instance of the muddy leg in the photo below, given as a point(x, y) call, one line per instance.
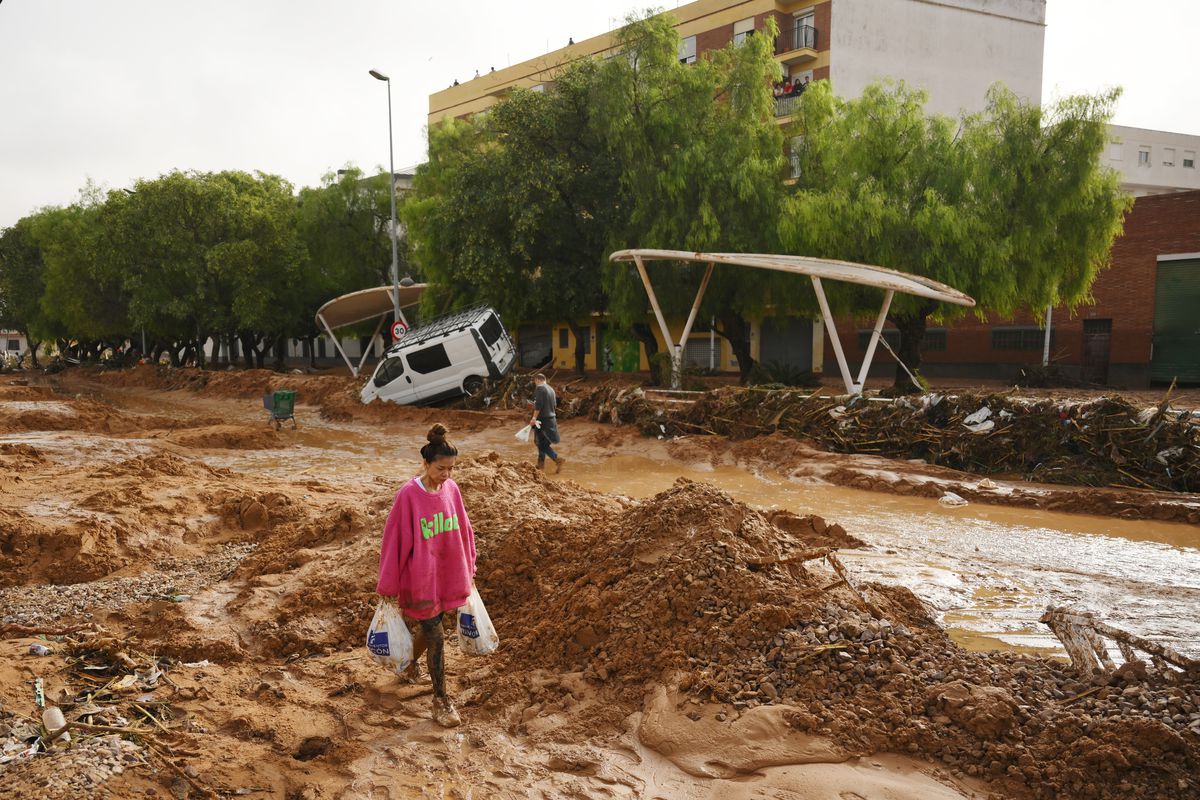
point(435, 658)
point(413, 673)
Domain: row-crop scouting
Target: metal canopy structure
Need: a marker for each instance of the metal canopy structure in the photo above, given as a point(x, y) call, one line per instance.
point(890, 280)
point(361, 306)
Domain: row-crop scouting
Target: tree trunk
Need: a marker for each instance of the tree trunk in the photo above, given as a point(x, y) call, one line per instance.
point(646, 336)
point(248, 349)
point(582, 335)
point(33, 348)
point(912, 333)
point(199, 346)
point(310, 351)
point(280, 353)
point(736, 330)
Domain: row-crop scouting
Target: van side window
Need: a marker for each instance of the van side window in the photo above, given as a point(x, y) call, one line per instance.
point(429, 359)
point(389, 370)
point(491, 330)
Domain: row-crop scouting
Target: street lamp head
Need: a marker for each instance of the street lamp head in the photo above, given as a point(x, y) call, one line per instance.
point(377, 75)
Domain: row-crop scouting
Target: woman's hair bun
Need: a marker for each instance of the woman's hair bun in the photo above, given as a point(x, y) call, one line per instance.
point(437, 433)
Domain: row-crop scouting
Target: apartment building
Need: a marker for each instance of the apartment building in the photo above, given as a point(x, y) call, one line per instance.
point(1153, 162)
point(953, 49)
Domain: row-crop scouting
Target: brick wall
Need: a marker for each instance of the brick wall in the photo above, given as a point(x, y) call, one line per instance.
point(1124, 292)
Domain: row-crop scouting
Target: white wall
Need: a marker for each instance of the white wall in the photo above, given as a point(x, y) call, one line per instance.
point(1156, 177)
point(954, 49)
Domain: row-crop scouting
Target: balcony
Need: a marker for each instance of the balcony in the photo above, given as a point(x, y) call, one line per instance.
point(797, 45)
point(787, 97)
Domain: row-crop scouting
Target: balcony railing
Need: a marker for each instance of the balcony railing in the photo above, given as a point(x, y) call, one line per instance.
point(801, 37)
point(786, 105)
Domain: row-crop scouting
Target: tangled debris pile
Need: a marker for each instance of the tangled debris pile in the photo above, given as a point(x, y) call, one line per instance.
point(1104, 442)
point(693, 585)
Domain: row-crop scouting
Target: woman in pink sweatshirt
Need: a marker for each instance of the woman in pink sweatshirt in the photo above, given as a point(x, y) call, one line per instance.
point(427, 559)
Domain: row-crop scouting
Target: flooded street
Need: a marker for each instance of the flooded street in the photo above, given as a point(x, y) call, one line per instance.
point(659, 636)
point(990, 571)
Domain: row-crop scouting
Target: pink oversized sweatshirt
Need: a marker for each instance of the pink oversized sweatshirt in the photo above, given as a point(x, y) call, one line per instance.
point(427, 558)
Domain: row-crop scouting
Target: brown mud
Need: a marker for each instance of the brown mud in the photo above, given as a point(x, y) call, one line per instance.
point(672, 646)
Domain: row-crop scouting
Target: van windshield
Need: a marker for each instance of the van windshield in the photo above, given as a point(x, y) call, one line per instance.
point(388, 371)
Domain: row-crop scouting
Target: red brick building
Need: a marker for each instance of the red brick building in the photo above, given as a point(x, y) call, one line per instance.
point(1143, 326)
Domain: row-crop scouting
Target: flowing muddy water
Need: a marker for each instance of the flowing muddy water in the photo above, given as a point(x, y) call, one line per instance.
point(989, 570)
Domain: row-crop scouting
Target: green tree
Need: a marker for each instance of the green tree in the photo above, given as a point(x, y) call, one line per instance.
point(208, 256)
point(521, 206)
point(702, 169)
point(343, 224)
point(22, 282)
point(514, 207)
point(84, 307)
point(1011, 205)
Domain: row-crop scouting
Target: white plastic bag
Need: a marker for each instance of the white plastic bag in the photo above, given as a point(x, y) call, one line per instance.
point(476, 634)
point(524, 433)
point(388, 638)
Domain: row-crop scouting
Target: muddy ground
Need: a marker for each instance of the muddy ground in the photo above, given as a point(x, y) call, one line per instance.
point(204, 583)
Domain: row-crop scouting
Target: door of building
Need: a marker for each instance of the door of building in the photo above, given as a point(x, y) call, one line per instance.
point(1176, 354)
point(787, 341)
point(1097, 340)
point(533, 345)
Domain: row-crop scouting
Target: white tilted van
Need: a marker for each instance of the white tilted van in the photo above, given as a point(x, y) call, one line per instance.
point(450, 356)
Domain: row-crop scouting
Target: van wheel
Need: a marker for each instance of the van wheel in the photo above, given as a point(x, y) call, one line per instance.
point(472, 386)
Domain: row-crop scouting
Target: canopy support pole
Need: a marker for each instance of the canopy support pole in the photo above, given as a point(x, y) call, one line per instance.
point(662, 322)
point(833, 335)
point(875, 334)
point(677, 357)
point(367, 350)
point(338, 345)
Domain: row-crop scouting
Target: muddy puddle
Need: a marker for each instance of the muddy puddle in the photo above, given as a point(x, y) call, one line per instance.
point(989, 570)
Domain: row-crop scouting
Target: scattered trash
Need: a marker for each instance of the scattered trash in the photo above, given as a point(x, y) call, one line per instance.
point(988, 484)
point(977, 417)
point(982, 427)
point(36, 649)
point(197, 664)
point(951, 500)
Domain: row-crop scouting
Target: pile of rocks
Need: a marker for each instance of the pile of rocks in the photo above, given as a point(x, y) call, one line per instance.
point(166, 579)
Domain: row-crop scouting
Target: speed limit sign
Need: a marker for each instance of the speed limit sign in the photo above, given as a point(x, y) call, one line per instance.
point(398, 330)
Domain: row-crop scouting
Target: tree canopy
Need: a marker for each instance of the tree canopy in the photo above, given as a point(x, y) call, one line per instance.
point(1010, 205)
point(190, 257)
point(522, 205)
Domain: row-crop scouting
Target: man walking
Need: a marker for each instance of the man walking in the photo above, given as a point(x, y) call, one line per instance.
point(545, 433)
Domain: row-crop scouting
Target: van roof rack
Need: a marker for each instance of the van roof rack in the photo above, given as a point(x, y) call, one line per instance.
point(442, 326)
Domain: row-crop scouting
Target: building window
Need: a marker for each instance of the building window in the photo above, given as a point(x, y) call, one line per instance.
point(934, 341)
point(742, 29)
point(1143, 156)
point(1189, 159)
point(1115, 150)
point(14, 344)
point(1020, 338)
point(804, 34)
point(687, 50)
point(564, 340)
point(1168, 156)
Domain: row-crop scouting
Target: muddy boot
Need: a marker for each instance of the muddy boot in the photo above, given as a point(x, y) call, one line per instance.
point(558, 462)
point(413, 674)
point(444, 713)
point(541, 464)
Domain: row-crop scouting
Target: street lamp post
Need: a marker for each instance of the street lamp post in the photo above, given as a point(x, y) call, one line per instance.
point(379, 76)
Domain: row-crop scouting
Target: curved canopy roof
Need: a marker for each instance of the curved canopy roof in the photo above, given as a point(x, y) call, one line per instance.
point(366, 304)
point(848, 271)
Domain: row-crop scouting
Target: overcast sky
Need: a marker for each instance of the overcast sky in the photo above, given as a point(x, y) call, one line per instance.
point(127, 89)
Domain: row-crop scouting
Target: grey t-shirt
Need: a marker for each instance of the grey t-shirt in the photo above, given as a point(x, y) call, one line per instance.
point(544, 401)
